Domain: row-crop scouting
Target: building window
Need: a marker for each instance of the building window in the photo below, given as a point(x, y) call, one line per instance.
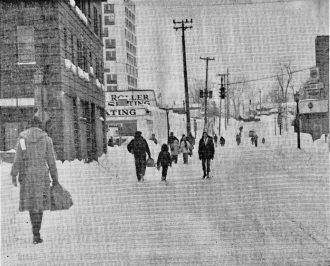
point(25, 45)
point(110, 43)
point(109, 8)
point(109, 20)
point(110, 55)
point(111, 78)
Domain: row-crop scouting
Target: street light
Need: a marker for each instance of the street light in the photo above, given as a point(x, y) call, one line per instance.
point(296, 99)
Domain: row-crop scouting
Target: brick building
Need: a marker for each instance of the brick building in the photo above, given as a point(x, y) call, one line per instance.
point(51, 56)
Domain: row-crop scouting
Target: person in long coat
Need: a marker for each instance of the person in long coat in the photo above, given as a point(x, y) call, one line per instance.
point(175, 150)
point(185, 148)
point(206, 153)
point(34, 159)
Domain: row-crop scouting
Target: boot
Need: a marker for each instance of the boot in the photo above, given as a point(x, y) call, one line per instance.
point(37, 240)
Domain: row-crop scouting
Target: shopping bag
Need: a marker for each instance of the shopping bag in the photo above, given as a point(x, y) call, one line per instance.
point(150, 162)
point(60, 198)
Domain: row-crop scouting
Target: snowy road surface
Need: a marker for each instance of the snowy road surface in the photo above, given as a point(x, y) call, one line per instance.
point(264, 206)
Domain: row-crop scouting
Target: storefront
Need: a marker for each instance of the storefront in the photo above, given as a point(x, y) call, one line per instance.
point(129, 111)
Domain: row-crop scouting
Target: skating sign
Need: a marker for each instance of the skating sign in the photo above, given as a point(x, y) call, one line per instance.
point(129, 103)
point(134, 98)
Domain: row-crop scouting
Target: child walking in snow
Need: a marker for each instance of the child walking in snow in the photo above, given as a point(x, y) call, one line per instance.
point(164, 161)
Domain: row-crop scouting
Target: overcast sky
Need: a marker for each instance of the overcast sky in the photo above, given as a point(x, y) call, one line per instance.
point(250, 37)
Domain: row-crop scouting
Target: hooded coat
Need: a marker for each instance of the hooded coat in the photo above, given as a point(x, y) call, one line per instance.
point(32, 164)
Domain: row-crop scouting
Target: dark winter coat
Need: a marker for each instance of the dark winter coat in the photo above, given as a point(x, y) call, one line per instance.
point(164, 159)
point(32, 164)
point(139, 147)
point(206, 151)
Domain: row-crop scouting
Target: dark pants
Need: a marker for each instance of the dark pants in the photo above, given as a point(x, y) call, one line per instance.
point(140, 166)
point(174, 158)
point(36, 219)
point(206, 165)
point(185, 158)
point(164, 171)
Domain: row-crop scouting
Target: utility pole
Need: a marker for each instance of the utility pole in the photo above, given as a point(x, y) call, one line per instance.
point(183, 27)
point(207, 59)
point(260, 101)
point(228, 111)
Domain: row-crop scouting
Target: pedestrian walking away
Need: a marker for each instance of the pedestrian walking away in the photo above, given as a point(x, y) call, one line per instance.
point(263, 140)
point(153, 138)
point(222, 141)
point(256, 140)
point(164, 161)
point(139, 147)
point(171, 138)
point(206, 153)
point(34, 159)
point(238, 139)
point(215, 140)
point(175, 150)
point(185, 148)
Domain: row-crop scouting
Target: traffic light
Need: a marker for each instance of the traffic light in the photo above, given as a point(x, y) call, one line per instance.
point(222, 92)
point(210, 94)
point(201, 94)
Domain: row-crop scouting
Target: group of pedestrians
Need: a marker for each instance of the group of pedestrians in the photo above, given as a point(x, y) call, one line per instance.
point(169, 153)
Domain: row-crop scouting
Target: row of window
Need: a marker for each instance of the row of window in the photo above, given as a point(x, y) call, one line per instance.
point(130, 47)
point(130, 25)
point(81, 54)
point(129, 14)
point(112, 80)
point(85, 7)
point(130, 36)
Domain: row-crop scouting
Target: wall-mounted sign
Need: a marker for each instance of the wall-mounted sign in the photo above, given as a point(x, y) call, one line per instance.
point(125, 111)
point(134, 98)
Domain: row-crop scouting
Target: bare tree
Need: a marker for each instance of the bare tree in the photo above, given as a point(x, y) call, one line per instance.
point(284, 78)
point(236, 94)
point(194, 89)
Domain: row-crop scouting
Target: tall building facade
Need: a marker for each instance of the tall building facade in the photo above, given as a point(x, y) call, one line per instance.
point(52, 63)
point(119, 39)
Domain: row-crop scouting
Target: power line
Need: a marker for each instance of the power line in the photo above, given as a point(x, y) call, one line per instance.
point(270, 77)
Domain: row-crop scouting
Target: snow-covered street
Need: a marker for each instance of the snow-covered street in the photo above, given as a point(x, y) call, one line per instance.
point(265, 205)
